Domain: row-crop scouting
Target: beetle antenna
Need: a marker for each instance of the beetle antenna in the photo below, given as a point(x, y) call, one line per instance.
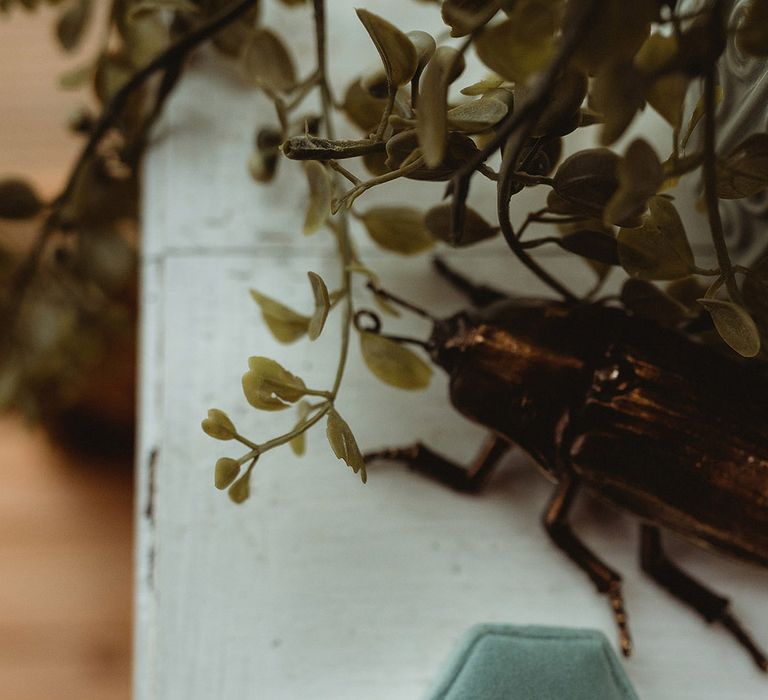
point(400, 302)
point(375, 327)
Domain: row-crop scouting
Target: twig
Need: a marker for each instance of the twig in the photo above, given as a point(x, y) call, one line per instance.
point(709, 168)
point(512, 123)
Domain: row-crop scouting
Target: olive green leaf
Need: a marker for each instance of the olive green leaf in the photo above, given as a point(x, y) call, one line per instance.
point(392, 363)
point(425, 48)
point(269, 386)
point(616, 32)
point(618, 92)
point(343, 443)
point(459, 149)
point(477, 115)
point(399, 229)
point(72, 23)
point(665, 94)
point(647, 300)
point(659, 249)
point(146, 35)
point(735, 326)
point(697, 114)
point(431, 120)
point(322, 306)
point(240, 491)
point(752, 32)
point(361, 108)
point(18, 199)
point(266, 61)
point(492, 82)
point(286, 324)
point(744, 172)
point(523, 44)
point(585, 182)
point(464, 16)
point(298, 444)
point(397, 52)
point(562, 113)
point(76, 77)
point(320, 195)
point(139, 7)
point(218, 425)
point(596, 245)
point(111, 73)
point(476, 228)
point(225, 472)
point(640, 177)
point(755, 293)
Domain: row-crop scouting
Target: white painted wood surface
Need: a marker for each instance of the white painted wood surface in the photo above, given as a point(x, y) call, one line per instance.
point(318, 587)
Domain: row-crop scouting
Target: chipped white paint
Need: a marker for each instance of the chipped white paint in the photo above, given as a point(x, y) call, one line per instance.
point(318, 587)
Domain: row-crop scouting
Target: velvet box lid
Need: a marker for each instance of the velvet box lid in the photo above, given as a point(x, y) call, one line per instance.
point(507, 662)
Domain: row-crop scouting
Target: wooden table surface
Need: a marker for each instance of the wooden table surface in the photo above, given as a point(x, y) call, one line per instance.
point(65, 522)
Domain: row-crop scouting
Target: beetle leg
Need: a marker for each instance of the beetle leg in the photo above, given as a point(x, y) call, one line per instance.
point(712, 607)
point(479, 295)
point(606, 580)
point(423, 460)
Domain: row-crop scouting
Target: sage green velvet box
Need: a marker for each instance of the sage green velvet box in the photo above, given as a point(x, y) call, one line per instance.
point(506, 662)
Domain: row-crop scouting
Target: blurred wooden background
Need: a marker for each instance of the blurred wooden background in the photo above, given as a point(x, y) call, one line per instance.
point(65, 522)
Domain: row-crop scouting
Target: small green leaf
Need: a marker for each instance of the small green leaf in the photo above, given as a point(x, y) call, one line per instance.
point(659, 249)
point(616, 32)
point(218, 425)
point(640, 177)
point(755, 292)
point(465, 16)
point(476, 228)
point(698, 113)
point(593, 245)
point(361, 108)
point(269, 386)
point(477, 115)
point(522, 45)
point(647, 300)
point(744, 172)
point(343, 443)
point(299, 444)
point(267, 62)
point(322, 306)
point(735, 326)
point(425, 48)
point(18, 200)
point(585, 182)
point(286, 325)
point(752, 32)
point(459, 149)
point(397, 52)
point(399, 229)
point(393, 363)
point(618, 93)
point(71, 24)
point(562, 113)
point(226, 472)
point(320, 195)
point(493, 82)
point(240, 491)
point(431, 120)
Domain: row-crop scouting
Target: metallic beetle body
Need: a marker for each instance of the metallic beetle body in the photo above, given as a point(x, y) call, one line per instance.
point(659, 425)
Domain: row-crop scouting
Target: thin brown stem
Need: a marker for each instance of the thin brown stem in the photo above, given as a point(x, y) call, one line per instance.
point(709, 168)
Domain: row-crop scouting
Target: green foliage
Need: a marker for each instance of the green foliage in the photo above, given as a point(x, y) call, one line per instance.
point(557, 67)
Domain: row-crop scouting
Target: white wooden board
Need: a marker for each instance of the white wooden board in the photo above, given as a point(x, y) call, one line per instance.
point(319, 587)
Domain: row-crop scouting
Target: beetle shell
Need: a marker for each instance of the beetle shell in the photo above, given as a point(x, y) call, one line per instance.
point(659, 425)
